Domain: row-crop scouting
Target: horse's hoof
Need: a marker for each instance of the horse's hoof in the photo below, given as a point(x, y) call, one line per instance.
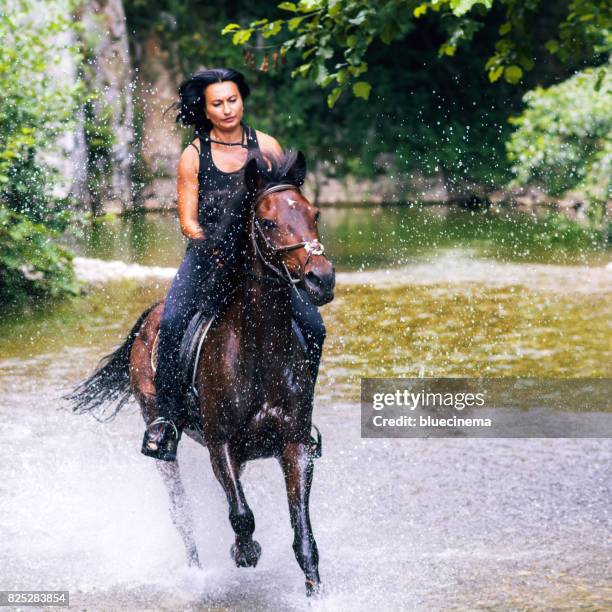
point(246, 554)
point(313, 588)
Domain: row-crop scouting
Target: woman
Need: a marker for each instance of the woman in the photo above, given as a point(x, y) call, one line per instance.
point(210, 178)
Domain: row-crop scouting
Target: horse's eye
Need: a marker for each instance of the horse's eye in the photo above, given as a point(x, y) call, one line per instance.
point(268, 223)
point(317, 216)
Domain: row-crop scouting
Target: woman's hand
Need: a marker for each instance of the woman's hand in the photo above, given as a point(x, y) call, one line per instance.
point(199, 236)
point(199, 241)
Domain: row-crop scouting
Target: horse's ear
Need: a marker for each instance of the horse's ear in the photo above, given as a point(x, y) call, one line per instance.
point(251, 175)
point(297, 172)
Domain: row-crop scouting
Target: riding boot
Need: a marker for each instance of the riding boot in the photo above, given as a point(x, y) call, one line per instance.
point(162, 435)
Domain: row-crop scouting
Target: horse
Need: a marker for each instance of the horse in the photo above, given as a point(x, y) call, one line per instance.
point(254, 388)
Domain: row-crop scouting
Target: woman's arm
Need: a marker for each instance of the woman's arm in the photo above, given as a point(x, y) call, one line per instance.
point(187, 194)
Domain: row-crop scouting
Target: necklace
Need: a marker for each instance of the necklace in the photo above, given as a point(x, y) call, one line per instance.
point(230, 144)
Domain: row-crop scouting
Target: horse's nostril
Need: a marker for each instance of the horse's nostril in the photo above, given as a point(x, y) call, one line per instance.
point(320, 282)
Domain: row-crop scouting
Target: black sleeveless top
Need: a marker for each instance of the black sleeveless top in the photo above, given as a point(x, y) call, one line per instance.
point(222, 198)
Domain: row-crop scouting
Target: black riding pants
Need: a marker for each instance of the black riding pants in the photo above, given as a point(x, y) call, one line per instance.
point(195, 288)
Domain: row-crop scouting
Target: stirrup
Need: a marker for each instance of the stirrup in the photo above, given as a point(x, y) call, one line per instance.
point(160, 441)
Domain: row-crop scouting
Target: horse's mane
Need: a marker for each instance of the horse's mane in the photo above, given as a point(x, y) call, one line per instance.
point(279, 172)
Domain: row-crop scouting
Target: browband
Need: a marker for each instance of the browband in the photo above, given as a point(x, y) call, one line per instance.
point(274, 188)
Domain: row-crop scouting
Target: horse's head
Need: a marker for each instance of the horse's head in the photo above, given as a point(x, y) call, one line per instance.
point(284, 226)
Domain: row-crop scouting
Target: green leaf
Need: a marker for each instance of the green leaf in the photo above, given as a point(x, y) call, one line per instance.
point(362, 89)
point(504, 28)
point(322, 75)
point(325, 52)
point(239, 38)
point(552, 46)
point(332, 98)
point(461, 7)
point(342, 76)
point(447, 49)
point(294, 23)
point(420, 10)
point(302, 70)
point(288, 6)
point(230, 27)
point(351, 41)
point(334, 8)
point(359, 69)
point(492, 61)
point(513, 74)
point(495, 73)
point(272, 29)
point(359, 18)
point(300, 41)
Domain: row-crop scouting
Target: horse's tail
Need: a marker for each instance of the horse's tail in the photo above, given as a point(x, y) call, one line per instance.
point(110, 383)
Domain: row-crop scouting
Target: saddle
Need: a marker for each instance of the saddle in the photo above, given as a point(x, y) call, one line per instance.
point(189, 354)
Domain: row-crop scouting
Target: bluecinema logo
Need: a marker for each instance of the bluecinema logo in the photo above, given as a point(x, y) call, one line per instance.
point(424, 399)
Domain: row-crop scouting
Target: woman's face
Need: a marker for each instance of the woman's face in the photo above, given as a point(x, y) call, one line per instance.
point(223, 105)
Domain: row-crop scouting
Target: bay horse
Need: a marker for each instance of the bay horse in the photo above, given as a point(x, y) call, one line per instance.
point(254, 387)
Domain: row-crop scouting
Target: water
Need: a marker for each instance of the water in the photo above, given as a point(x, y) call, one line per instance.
point(401, 524)
point(374, 237)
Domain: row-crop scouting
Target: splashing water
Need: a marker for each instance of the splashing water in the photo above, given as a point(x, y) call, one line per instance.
point(400, 524)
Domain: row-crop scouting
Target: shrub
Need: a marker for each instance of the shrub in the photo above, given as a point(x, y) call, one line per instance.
point(564, 139)
point(32, 266)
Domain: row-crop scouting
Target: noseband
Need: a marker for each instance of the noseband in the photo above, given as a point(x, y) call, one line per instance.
point(312, 247)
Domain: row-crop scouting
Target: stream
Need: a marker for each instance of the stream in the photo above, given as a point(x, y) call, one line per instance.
point(401, 524)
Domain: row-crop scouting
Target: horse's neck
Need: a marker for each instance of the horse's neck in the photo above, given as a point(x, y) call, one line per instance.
point(266, 306)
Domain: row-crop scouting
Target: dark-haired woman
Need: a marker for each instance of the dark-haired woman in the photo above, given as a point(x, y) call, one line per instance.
point(209, 186)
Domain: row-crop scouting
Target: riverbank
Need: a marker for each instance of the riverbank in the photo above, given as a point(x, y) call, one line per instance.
point(349, 192)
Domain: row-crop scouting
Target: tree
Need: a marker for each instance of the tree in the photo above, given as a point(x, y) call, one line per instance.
point(333, 37)
point(35, 108)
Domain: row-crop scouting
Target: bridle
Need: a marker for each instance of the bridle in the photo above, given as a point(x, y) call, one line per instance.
point(312, 247)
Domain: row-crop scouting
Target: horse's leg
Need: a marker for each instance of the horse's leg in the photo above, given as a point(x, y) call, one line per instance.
point(180, 512)
point(179, 507)
point(245, 551)
point(297, 466)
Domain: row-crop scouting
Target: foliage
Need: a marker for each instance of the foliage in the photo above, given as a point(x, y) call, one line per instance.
point(555, 230)
point(426, 109)
point(35, 108)
point(187, 29)
point(32, 266)
point(431, 109)
point(427, 115)
point(333, 37)
point(564, 137)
